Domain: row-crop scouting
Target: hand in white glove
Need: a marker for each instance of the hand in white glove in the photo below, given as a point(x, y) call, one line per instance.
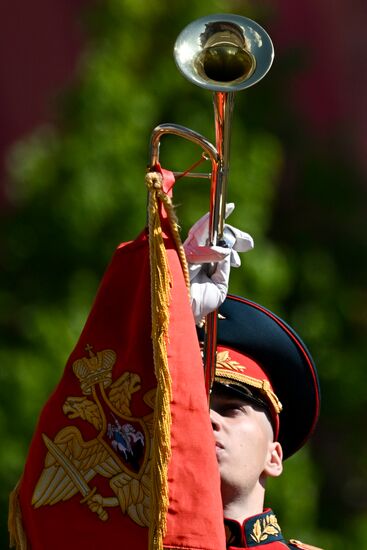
point(208, 292)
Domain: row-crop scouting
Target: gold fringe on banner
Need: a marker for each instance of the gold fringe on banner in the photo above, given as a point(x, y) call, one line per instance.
point(18, 538)
point(160, 299)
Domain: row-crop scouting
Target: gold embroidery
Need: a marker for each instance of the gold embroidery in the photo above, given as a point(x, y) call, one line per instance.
point(230, 538)
point(303, 546)
point(97, 368)
point(71, 462)
point(224, 360)
point(265, 527)
point(229, 370)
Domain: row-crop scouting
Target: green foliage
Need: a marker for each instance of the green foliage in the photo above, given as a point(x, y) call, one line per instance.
point(78, 190)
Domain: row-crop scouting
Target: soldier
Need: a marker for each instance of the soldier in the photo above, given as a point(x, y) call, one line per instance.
point(265, 398)
point(264, 406)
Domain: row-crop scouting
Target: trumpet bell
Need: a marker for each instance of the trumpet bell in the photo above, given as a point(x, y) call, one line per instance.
point(224, 52)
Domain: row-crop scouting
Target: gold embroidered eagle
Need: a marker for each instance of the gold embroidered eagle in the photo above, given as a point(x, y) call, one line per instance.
point(121, 450)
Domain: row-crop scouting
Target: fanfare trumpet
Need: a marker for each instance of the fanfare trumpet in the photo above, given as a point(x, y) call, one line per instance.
point(223, 53)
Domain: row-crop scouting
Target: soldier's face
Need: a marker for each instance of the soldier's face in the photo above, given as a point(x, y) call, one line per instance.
point(244, 443)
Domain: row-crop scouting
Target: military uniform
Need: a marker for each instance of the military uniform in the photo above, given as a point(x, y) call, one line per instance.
point(260, 531)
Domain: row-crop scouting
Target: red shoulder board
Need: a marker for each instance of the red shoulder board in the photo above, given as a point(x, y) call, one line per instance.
point(302, 545)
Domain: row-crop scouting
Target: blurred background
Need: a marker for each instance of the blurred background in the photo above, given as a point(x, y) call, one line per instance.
point(82, 85)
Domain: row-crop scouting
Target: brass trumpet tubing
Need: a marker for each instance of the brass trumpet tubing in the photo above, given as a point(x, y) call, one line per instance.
point(224, 53)
point(198, 175)
point(210, 350)
point(186, 133)
point(223, 110)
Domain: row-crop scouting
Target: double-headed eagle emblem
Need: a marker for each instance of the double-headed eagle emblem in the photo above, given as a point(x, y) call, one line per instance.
point(121, 450)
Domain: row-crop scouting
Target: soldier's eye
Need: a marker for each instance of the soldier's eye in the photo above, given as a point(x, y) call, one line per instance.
point(231, 409)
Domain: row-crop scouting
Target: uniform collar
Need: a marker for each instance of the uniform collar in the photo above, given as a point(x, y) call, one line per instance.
point(254, 531)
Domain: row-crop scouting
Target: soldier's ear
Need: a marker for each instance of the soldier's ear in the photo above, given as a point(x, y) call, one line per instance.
point(274, 463)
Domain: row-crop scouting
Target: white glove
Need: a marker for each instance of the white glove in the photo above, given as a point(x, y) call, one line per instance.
point(209, 292)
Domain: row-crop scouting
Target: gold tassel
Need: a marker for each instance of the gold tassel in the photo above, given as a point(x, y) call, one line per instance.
point(17, 534)
point(160, 299)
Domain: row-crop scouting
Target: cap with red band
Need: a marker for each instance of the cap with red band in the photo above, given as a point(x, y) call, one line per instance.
point(236, 370)
point(258, 350)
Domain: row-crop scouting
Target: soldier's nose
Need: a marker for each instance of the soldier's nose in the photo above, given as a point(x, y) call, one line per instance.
point(215, 420)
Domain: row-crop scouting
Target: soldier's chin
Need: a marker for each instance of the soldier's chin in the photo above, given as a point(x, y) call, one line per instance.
point(219, 452)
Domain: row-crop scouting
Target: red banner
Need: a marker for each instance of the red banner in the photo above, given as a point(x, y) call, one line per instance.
point(86, 482)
